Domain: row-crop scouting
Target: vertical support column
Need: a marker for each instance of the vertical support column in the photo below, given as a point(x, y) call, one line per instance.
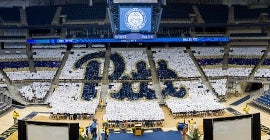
point(2, 46)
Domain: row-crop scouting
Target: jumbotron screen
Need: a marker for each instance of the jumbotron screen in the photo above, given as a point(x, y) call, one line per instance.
point(135, 19)
point(135, 1)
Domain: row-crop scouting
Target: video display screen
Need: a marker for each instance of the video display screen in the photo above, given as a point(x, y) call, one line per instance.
point(43, 132)
point(135, 19)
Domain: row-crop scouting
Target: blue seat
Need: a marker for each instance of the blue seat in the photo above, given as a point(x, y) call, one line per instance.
point(92, 71)
point(177, 12)
point(49, 64)
point(14, 64)
point(142, 73)
point(127, 92)
point(266, 62)
point(92, 67)
point(84, 12)
point(10, 14)
point(214, 13)
point(89, 91)
point(242, 12)
point(40, 15)
point(210, 61)
point(119, 66)
point(243, 61)
point(170, 90)
point(164, 72)
point(264, 100)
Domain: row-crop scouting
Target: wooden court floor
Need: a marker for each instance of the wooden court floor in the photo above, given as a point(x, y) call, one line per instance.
point(170, 122)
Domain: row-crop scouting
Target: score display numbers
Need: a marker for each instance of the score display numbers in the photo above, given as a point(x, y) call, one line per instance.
point(135, 19)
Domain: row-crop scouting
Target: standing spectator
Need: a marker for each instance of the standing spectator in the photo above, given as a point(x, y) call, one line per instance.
point(93, 128)
point(88, 132)
point(246, 109)
point(106, 133)
point(15, 116)
point(105, 123)
point(81, 129)
point(101, 103)
point(195, 126)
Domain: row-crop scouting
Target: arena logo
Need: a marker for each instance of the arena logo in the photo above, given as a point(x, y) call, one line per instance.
point(135, 19)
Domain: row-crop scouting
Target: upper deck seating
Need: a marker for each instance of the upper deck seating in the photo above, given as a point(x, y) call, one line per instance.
point(214, 13)
point(10, 14)
point(243, 12)
point(40, 15)
point(177, 12)
point(84, 12)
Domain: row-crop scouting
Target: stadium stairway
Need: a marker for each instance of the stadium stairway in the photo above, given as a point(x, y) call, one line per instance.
point(231, 15)
point(29, 53)
point(191, 55)
point(23, 17)
point(7, 80)
point(105, 80)
point(226, 57)
point(203, 76)
point(56, 17)
point(107, 19)
point(251, 76)
point(12, 92)
point(198, 14)
point(55, 80)
point(15, 95)
point(155, 80)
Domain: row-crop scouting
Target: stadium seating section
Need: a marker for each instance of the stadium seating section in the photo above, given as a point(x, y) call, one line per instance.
point(209, 13)
point(242, 12)
point(127, 91)
point(89, 91)
point(171, 11)
point(132, 81)
point(119, 66)
point(5, 103)
point(84, 12)
point(177, 12)
point(172, 91)
point(263, 100)
point(35, 13)
point(10, 14)
point(35, 92)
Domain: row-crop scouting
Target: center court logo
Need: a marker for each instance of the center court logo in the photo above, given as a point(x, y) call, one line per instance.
point(135, 19)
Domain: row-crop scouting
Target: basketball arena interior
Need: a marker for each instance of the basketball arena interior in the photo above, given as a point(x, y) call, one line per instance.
point(169, 68)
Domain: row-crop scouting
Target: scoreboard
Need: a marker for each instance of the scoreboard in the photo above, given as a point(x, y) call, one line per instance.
point(135, 1)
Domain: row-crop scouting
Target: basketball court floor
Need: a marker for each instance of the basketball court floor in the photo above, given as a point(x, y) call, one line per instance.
point(41, 113)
